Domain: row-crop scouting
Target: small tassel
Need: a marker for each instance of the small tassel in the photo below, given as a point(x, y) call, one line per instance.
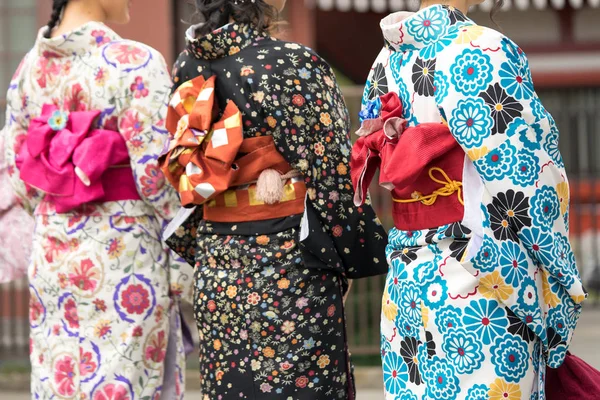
point(269, 187)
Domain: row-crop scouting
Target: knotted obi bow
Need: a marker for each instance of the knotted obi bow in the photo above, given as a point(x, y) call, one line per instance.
point(421, 165)
point(74, 163)
point(206, 156)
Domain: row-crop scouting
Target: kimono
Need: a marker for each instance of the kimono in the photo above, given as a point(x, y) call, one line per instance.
point(483, 292)
point(85, 125)
point(17, 229)
point(270, 275)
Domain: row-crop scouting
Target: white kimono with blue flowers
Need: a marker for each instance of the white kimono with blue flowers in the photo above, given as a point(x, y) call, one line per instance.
point(490, 333)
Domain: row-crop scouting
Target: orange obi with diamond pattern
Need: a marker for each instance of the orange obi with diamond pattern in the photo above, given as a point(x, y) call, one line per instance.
point(210, 163)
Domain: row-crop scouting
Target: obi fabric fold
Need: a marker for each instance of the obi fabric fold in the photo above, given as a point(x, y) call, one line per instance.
point(74, 163)
point(422, 166)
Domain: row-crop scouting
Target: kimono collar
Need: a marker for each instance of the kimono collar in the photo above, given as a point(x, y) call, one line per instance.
point(81, 40)
point(404, 31)
point(225, 41)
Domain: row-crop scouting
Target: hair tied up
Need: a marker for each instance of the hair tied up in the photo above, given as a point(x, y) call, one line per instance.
point(58, 7)
point(214, 14)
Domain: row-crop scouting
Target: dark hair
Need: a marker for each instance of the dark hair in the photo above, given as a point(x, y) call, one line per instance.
point(498, 4)
point(216, 13)
point(57, 8)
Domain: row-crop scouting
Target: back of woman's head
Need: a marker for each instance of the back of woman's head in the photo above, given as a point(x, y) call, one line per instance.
point(58, 7)
point(216, 13)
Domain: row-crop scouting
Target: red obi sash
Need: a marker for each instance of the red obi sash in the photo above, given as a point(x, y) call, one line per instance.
point(73, 163)
point(211, 164)
point(422, 166)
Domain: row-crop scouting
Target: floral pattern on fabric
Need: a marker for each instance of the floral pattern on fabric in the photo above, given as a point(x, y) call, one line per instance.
point(518, 251)
point(104, 290)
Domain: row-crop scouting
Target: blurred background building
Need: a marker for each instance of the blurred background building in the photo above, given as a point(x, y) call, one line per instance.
point(561, 38)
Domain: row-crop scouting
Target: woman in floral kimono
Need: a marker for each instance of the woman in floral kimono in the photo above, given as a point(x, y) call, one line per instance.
point(261, 145)
point(85, 125)
point(483, 292)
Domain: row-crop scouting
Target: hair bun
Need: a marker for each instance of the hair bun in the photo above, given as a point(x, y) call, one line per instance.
point(216, 13)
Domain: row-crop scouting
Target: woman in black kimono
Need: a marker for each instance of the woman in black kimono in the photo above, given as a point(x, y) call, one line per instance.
point(275, 251)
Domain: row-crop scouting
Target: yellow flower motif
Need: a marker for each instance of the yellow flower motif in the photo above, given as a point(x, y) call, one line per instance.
point(217, 344)
point(563, 196)
point(579, 299)
point(389, 309)
point(326, 119)
point(476, 154)
point(102, 328)
point(492, 286)
point(425, 314)
point(502, 390)
point(550, 298)
point(298, 120)
point(234, 50)
point(283, 283)
point(323, 361)
point(231, 291)
point(342, 169)
point(469, 33)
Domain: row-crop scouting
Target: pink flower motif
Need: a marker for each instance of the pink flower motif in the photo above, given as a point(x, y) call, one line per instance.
point(128, 54)
point(64, 374)
point(153, 181)
point(99, 38)
point(135, 299)
point(47, 69)
point(71, 314)
point(35, 308)
point(83, 278)
point(130, 125)
point(138, 87)
point(75, 101)
point(87, 366)
point(112, 391)
point(157, 349)
point(253, 298)
point(112, 124)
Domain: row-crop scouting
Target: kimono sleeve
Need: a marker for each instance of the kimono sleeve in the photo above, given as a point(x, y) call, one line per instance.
point(14, 134)
point(310, 126)
point(487, 97)
point(142, 123)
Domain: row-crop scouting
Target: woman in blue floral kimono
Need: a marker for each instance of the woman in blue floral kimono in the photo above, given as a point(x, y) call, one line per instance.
point(483, 291)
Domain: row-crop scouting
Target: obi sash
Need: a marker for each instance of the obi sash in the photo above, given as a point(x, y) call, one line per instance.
point(74, 163)
point(211, 164)
point(422, 166)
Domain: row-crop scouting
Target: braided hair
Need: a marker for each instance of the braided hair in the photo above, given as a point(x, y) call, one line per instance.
point(57, 8)
point(216, 13)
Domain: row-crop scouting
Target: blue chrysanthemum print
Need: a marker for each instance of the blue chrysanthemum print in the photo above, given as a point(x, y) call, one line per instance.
point(486, 319)
point(442, 382)
point(435, 293)
point(428, 25)
point(538, 110)
point(528, 295)
point(513, 53)
point(431, 51)
point(511, 357)
point(478, 392)
point(530, 135)
point(513, 263)
point(440, 81)
point(448, 319)
point(471, 122)
point(539, 244)
point(545, 207)
point(527, 169)
point(471, 72)
point(485, 216)
point(395, 279)
point(516, 81)
point(463, 350)
point(498, 163)
point(425, 272)
point(551, 146)
point(410, 303)
point(406, 395)
point(395, 372)
point(564, 268)
point(486, 259)
point(557, 319)
point(557, 356)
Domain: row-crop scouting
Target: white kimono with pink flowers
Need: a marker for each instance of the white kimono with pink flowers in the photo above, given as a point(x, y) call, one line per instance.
point(105, 291)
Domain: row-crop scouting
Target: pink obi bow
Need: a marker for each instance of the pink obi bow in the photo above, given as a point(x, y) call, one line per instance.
point(73, 163)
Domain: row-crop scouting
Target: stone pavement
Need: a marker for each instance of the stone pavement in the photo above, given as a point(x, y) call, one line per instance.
point(586, 345)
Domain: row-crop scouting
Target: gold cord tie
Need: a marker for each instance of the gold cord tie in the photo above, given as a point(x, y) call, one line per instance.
point(450, 187)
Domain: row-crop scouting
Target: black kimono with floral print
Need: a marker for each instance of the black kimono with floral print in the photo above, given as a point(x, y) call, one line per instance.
point(287, 91)
point(268, 299)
